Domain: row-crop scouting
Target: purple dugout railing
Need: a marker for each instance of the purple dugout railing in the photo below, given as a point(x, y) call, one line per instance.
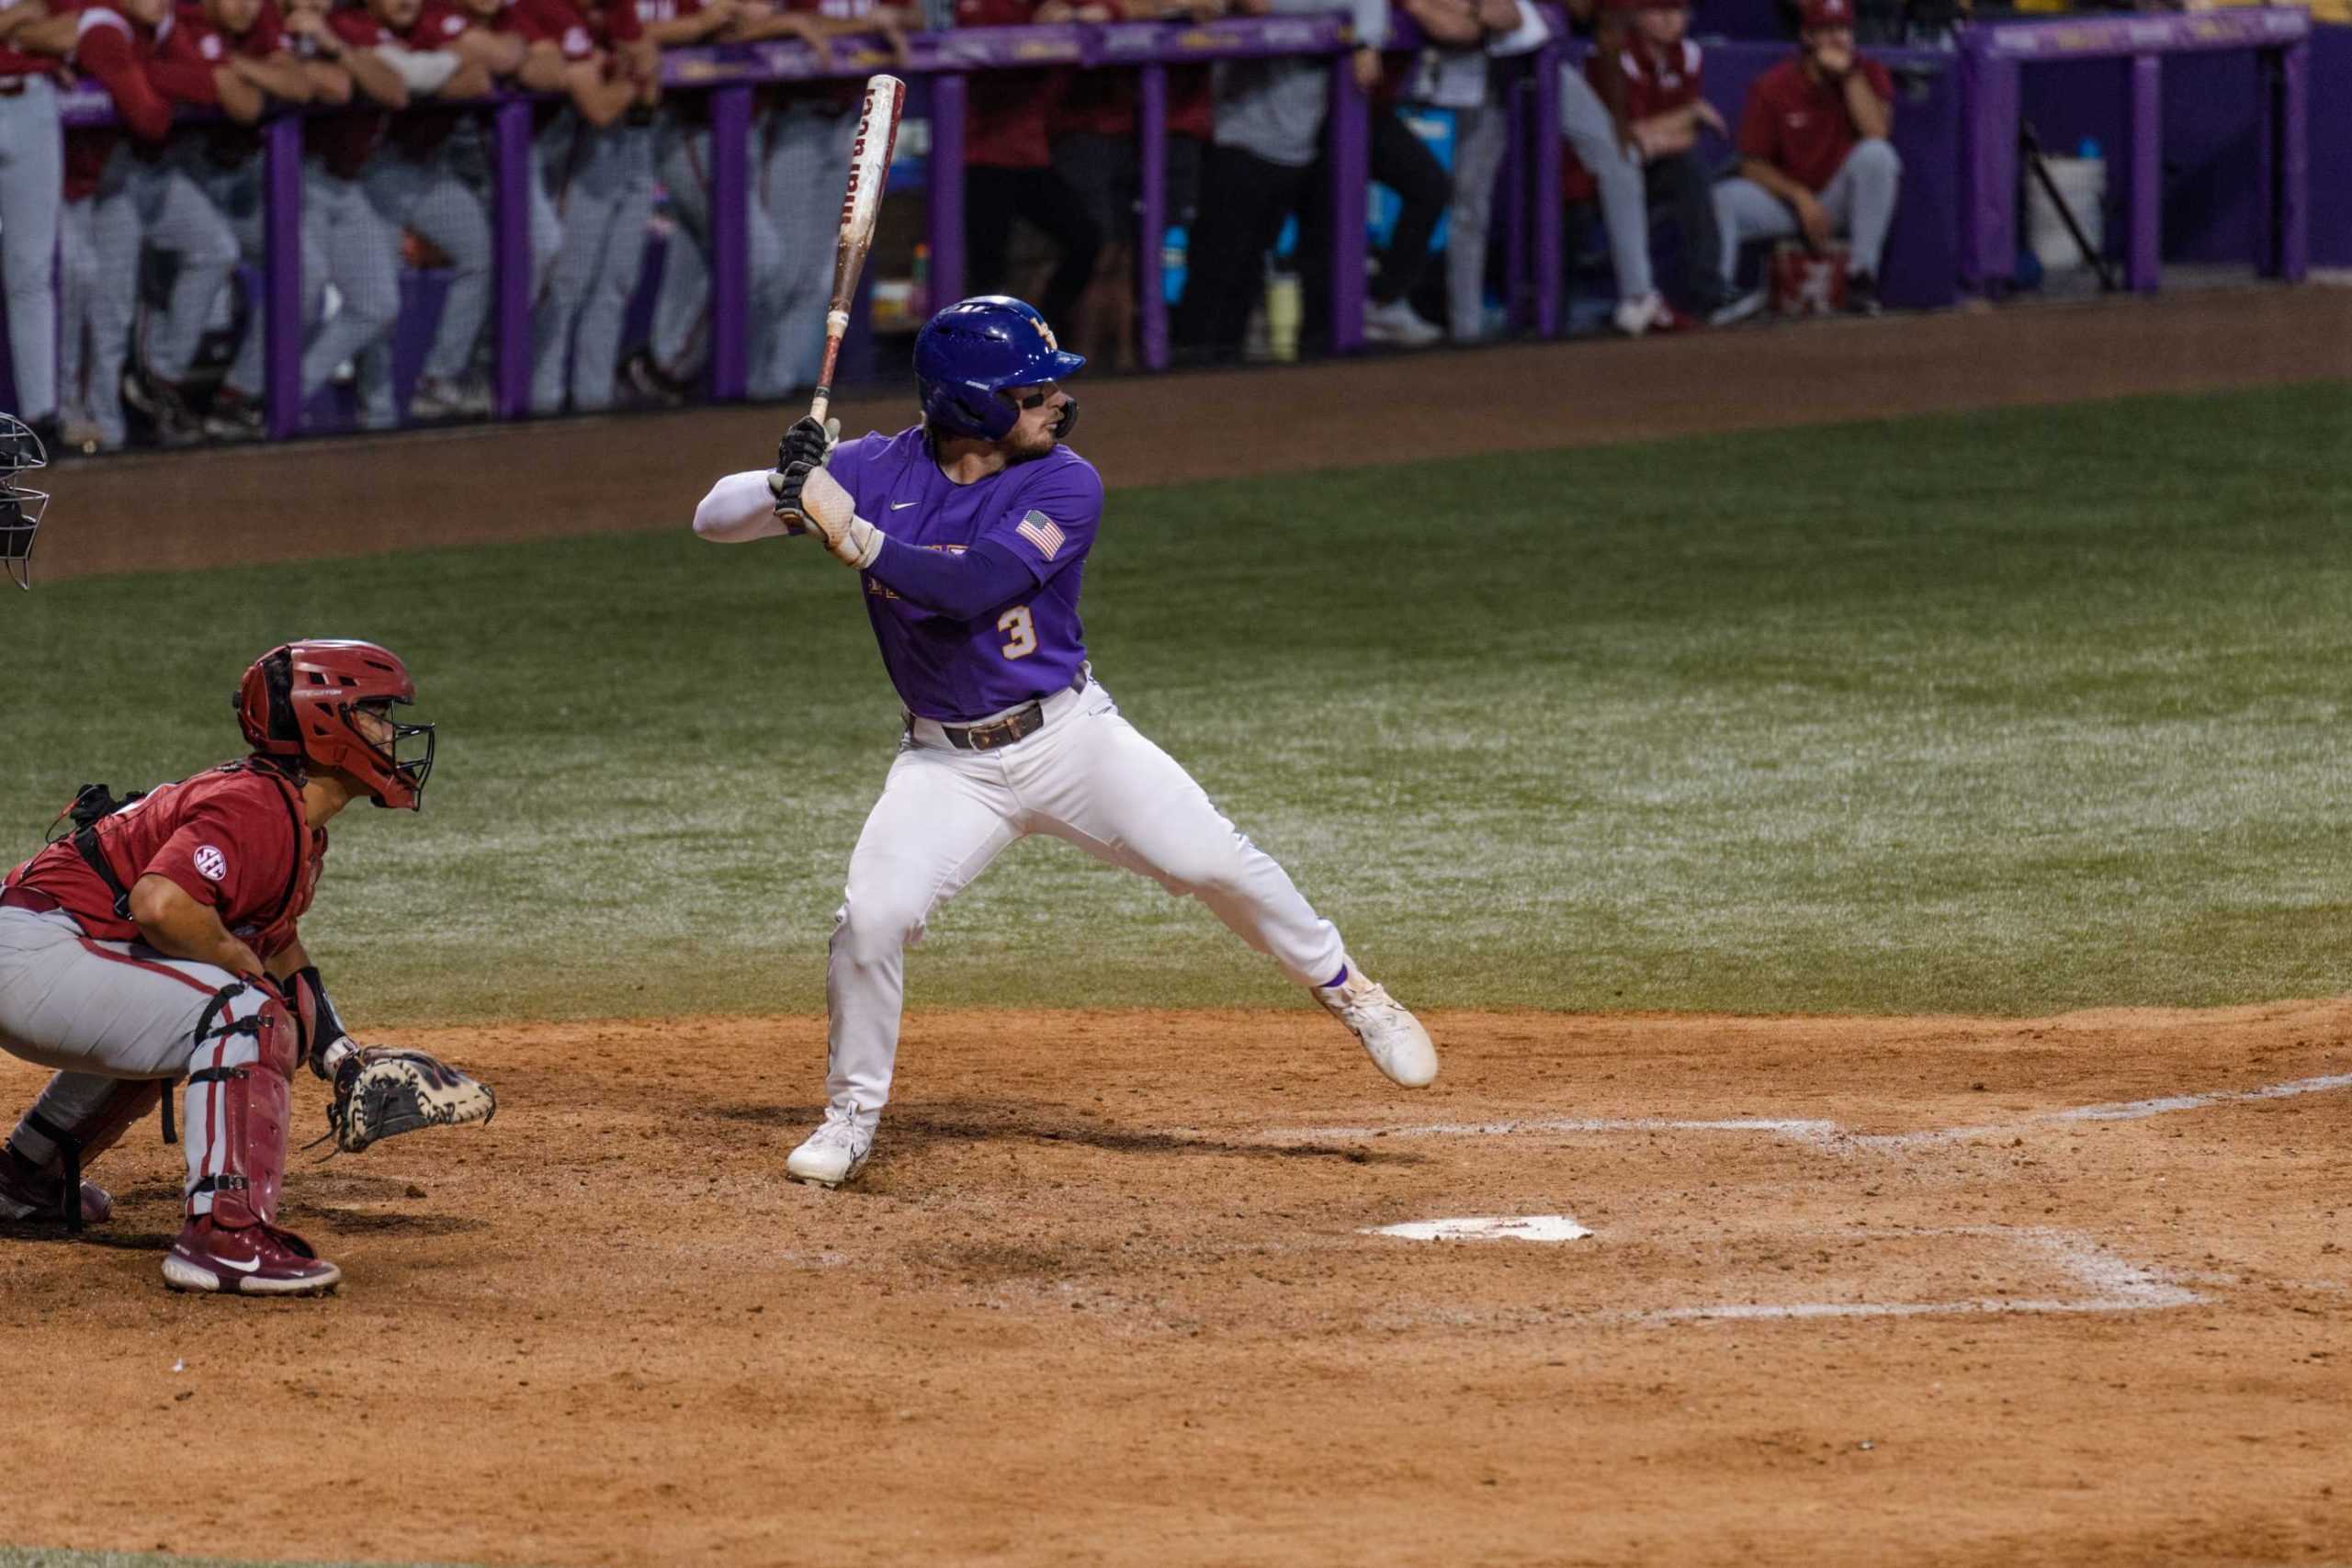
point(1991, 58)
point(940, 61)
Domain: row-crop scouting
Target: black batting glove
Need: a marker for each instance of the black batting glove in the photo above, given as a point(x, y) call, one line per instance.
point(805, 442)
point(785, 485)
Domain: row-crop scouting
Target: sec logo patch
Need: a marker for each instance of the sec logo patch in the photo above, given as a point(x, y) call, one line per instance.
point(210, 863)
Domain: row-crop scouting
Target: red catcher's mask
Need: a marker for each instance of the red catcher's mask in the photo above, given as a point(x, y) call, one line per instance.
point(303, 699)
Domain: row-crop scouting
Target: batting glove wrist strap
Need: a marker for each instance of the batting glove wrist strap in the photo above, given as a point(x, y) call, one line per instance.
point(857, 545)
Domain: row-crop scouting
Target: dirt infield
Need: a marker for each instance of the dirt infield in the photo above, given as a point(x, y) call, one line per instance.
point(1934, 1290)
point(418, 490)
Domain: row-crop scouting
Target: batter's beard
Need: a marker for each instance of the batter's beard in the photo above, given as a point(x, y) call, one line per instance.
point(1021, 447)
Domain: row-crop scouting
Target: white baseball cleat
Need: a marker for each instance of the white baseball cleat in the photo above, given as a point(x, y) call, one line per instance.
point(1635, 317)
point(1399, 1046)
point(834, 1152)
point(1398, 325)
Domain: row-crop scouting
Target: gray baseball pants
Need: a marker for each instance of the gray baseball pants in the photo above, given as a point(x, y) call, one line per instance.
point(603, 186)
point(33, 162)
point(98, 287)
point(361, 252)
point(1480, 140)
point(174, 216)
point(680, 343)
point(802, 180)
point(1625, 197)
point(1859, 199)
point(101, 1011)
point(429, 196)
point(237, 193)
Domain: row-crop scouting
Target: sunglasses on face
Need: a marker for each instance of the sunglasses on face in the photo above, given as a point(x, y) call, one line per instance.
point(1035, 398)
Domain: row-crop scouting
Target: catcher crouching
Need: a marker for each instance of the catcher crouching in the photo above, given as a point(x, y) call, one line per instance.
point(159, 940)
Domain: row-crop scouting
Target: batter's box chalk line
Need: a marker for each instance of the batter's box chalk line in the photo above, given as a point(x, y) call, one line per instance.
point(2106, 1282)
point(1819, 1133)
point(2101, 1281)
point(1486, 1228)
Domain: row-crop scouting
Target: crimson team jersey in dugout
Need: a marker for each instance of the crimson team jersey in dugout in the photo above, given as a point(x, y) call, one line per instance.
point(1045, 511)
point(234, 838)
point(1800, 125)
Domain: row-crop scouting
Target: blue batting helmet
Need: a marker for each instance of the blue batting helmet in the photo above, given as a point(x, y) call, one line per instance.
point(973, 350)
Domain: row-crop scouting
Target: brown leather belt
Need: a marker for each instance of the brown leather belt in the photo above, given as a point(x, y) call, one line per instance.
point(1018, 724)
point(32, 899)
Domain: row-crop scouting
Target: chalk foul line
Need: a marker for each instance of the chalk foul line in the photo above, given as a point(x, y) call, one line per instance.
point(1822, 1133)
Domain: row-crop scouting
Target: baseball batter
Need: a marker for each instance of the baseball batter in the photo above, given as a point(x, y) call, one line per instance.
point(969, 532)
point(161, 940)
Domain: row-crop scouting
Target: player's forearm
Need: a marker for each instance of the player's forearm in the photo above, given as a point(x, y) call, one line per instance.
point(288, 960)
point(686, 30)
point(1662, 135)
point(543, 69)
point(501, 55)
point(1872, 116)
point(958, 586)
point(330, 83)
point(738, 507)
point(325, 1041)
point(600, 102)
point(178, 927)
point(1773, 180)
point(281, 76)
point(241, 100)
point(376, 78)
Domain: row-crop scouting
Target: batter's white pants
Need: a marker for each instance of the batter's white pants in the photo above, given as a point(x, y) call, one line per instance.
point(1859, 199)
point(100, 1012)
point(1087, 777)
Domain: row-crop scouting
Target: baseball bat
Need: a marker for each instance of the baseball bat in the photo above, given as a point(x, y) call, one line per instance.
point(869, 171)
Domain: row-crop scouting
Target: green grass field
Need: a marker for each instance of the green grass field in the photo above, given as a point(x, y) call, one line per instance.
point(2001, 713)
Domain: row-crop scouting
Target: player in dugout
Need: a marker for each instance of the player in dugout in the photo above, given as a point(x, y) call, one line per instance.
point(1815, 158)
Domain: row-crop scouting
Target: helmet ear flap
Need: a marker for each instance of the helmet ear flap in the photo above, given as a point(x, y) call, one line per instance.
point(278, 681)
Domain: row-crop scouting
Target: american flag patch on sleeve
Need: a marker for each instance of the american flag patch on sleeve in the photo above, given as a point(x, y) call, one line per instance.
point(1042, 532)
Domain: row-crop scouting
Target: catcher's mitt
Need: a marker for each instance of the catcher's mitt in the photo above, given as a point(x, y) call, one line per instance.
point(381, 1091)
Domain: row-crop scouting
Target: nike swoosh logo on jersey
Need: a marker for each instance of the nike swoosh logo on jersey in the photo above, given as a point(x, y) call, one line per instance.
point(901, 505)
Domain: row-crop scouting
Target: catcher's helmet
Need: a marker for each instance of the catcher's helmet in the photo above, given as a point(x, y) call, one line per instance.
point(20, 509)
point(297, 701)
point(975, 349)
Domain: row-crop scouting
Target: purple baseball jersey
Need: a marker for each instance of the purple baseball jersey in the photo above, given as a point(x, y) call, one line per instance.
point(1045, 511)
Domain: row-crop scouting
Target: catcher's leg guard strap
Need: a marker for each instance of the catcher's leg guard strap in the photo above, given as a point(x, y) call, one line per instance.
point(67, 1160)
point(237, 1106)
point(77, 1119)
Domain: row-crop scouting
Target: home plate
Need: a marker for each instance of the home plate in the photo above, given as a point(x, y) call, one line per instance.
point(1487, 1227)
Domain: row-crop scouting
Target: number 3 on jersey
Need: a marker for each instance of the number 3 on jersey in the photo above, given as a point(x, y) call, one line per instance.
point(1021, 632)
